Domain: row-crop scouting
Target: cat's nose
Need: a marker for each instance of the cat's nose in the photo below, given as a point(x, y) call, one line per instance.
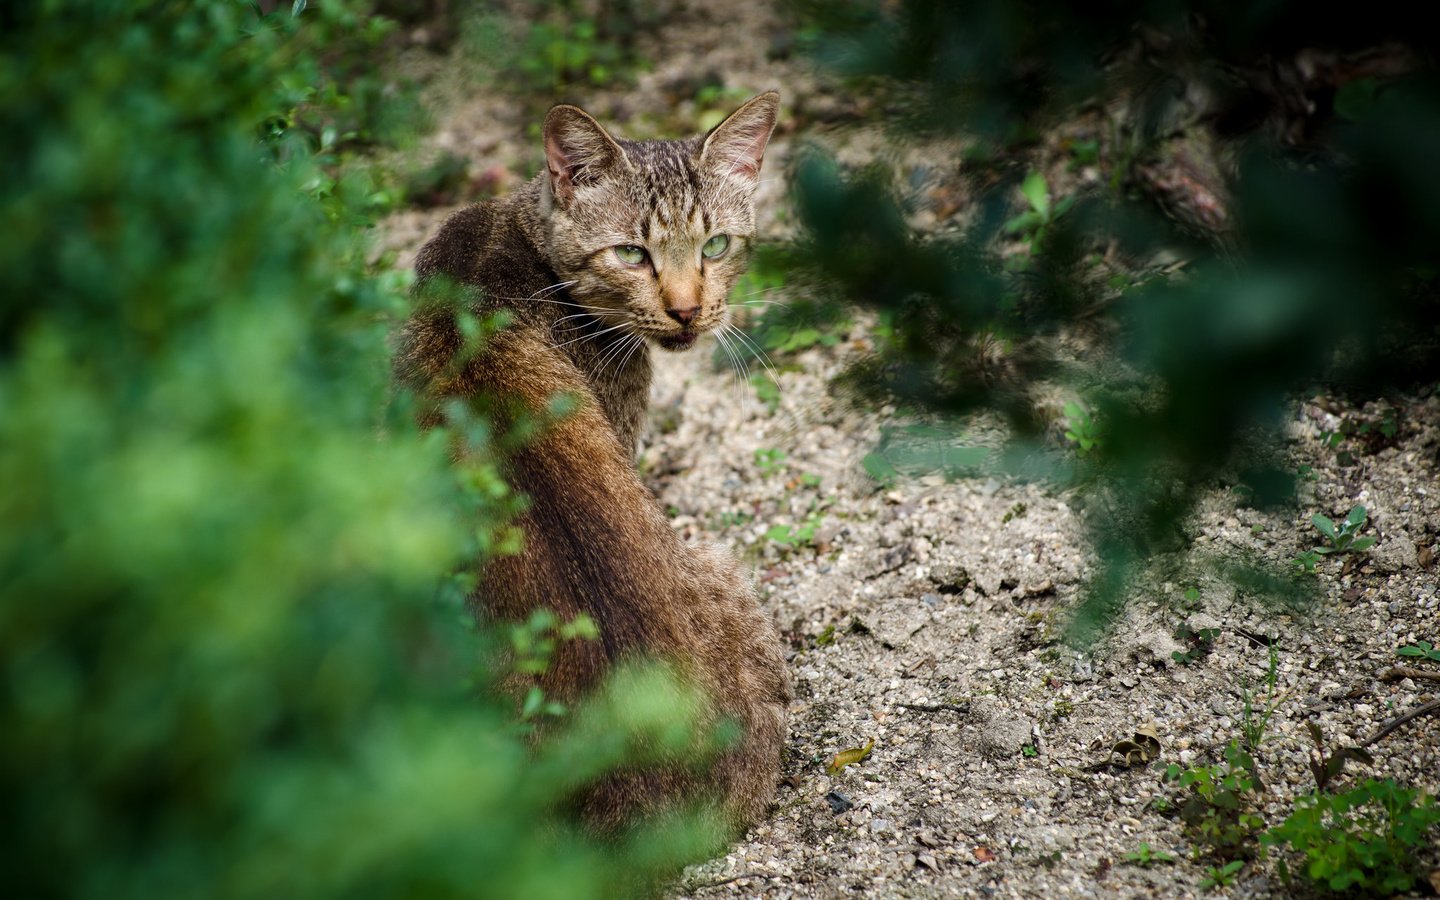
point(684, 315)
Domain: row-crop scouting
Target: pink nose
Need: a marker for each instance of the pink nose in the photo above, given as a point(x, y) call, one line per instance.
point(683, 316)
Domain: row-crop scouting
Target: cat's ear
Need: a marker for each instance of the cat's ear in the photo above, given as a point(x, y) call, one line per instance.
point(577, 150)
point(737, 145)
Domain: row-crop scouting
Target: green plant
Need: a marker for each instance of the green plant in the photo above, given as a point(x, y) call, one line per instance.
point(798, 534)
point(767, 390)
point(1033, 223)
point(1199, 642)
point(878, 466)
point(769, 460)
point(1146, 856)
point(1307, 561)
point(1420, 649)
point(1344, 538)
point(1217, 877)
point(1365, 840)
point(532, 645)
point(1253, 720)
point(1194, 357)
point(1081, 429)
point(253, 671)
point(1029, 751)
point(1218, 803)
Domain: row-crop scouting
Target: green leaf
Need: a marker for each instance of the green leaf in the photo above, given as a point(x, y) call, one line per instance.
point(780, 534)
point(878, 467)
point(1037, 192)
point(534, 701)
point(1357, 515)
point(1324, 524)
point(1026, 221)
point(1364, 543)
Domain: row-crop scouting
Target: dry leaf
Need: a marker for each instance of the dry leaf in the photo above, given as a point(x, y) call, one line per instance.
point(848, 757)
point(1140, 749)
point(984, 854)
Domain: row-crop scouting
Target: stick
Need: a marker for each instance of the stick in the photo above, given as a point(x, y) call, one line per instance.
point(1427, 709)
point(1400, 672)
point(934, 707)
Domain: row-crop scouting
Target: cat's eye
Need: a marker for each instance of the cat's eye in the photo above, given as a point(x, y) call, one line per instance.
point(715, 246)
point(630, 254)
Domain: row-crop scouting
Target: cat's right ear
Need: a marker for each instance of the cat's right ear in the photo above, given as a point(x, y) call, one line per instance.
point(577, 151)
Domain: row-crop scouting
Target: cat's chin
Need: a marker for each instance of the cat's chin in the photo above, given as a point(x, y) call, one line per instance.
point(676, 343)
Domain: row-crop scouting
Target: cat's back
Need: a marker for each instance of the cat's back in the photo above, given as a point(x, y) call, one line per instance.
point(482, 259)
point(488, 246)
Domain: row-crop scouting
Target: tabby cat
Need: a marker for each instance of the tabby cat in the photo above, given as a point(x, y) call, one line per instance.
point(616, 247)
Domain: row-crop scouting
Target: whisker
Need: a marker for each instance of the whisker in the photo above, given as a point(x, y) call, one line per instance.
point(635, 345)
point(737, 368)
point(758, 351)
point(613, 351)
point(588, 337)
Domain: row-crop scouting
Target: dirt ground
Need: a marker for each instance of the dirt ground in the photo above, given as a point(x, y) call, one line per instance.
point(923, 615)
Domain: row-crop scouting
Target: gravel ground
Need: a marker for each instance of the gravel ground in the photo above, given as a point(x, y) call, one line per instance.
point(923, 615)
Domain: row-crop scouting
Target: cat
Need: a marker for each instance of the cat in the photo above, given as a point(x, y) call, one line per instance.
point(614, 248)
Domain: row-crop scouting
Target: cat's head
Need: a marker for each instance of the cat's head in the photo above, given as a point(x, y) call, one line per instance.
point(653, 234)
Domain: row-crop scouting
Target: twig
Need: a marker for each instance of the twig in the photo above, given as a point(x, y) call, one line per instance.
point(935, 707)
point(1399, 672)
point(1427, 709)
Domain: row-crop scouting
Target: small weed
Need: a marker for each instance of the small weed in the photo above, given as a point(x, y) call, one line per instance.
point(1062, 709)
point(1307, 561)
point(1146, 855)
point(1218, 803)
point(1084, 153)
point(769, 460)
point(1326, 766)
point(1032, 224)
point(796, 535)
point(826, 637)
point(733, 519)
point(1254, 720)
point(1198, 644)
point(1344, 538)
point(1421, 650)
point(1082, 430)
point(767, 391)
point(1364, 840)
point(1014, 512)
point(1029, 751)
point(1217, 877)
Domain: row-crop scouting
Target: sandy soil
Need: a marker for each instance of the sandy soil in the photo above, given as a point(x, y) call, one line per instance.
point(923, 616)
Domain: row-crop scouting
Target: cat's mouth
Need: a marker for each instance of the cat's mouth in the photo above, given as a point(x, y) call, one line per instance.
point(683, 340)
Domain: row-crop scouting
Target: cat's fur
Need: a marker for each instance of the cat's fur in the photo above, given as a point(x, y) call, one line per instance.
point(595, 539)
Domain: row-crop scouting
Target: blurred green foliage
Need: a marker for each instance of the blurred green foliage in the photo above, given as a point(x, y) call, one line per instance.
point(1307, 214)
point(231, 663)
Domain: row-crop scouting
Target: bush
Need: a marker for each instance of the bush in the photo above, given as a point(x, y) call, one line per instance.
point(230, 665)
point(1306, 217)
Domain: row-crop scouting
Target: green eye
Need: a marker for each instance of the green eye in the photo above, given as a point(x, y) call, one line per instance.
point(715, 246)
point(631, 255)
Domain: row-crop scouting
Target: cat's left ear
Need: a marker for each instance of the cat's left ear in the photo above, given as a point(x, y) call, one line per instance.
point(737, 145)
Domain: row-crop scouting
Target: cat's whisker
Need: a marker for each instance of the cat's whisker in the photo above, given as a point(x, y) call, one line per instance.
point(579, 315)
point(612, 352)
point(546, 291)
point(590, 337)
point(636, 344)
point(737, 367)
point(755, 348)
